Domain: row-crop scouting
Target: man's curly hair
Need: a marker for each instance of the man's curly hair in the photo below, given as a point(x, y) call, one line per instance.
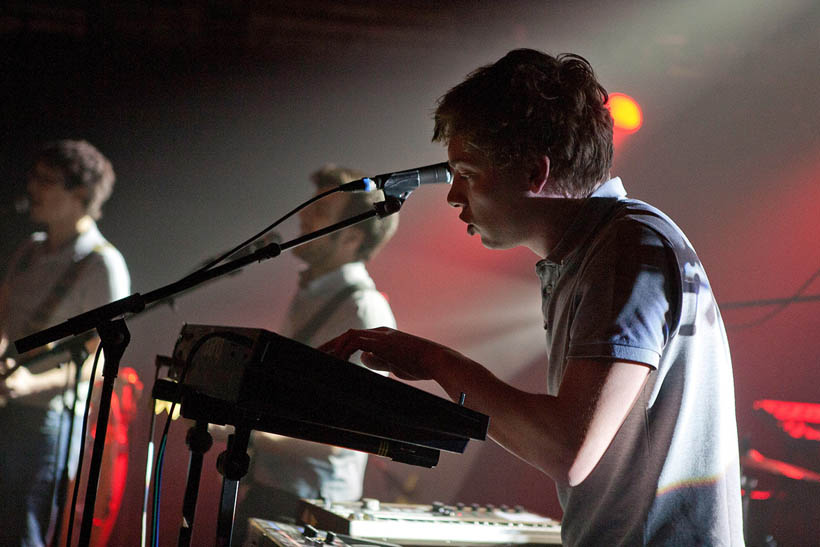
point(530, 104)
point(82, 165)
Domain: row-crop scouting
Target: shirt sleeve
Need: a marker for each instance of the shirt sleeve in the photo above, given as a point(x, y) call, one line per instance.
point(104, 280)
point(365, 309)
point(623, 300)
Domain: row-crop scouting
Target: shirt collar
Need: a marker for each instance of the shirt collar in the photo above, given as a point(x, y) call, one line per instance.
point(595, 208)
point(348, 274)
point(87, 241)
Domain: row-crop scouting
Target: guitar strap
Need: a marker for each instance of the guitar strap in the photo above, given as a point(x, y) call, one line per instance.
point(319, 318)
point(38, 320)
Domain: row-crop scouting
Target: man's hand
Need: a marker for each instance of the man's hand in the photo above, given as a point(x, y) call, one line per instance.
point(19, 384)
point(406, 356)
point(22, 383)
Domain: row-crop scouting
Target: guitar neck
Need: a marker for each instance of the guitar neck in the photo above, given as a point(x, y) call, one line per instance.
point(49, 356)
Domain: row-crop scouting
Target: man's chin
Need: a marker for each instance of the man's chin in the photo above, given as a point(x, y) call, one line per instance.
point(486, 240)
point(488, 243)
point(494, 244)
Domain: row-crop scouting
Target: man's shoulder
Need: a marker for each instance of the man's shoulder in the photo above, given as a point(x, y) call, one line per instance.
point(104, 256)
point(640, 212)
point(370, 306)
point(635, 223)
point(100, 260)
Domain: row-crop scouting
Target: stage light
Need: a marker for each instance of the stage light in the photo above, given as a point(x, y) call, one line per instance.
point(626, 113)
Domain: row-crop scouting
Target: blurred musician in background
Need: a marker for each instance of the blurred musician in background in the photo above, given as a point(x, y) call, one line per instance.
point(637, 426)
point(59, 272)
point(335, 293)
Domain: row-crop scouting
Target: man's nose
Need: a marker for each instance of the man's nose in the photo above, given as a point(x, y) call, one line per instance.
point(455, 195)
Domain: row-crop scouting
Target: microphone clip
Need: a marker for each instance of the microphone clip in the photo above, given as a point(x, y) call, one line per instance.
point(389, 206)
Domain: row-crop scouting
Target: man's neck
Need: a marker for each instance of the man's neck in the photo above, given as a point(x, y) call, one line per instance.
point(553, 218)
point(61, 233)
point(313, 272)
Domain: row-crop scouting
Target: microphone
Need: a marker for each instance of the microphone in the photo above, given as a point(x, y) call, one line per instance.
point(19, 206)
point(401, 183)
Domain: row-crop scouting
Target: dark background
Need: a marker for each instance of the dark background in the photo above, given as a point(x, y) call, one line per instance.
point(214, 113)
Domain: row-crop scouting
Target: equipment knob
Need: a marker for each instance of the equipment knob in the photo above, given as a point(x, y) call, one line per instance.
point(310, 531)
point(371, 504)
point(330, 538)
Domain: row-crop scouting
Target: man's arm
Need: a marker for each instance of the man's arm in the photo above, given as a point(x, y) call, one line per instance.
point(24, 383)
point(264, 441)
point(4, 340)
point(563, 436)
point(274, 442)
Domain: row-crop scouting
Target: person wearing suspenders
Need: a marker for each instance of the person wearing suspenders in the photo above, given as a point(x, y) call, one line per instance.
point(335, 293)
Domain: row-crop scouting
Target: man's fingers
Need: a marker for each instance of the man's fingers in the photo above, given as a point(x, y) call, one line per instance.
point(333, 346)
point(349, 343)
point(371, 360)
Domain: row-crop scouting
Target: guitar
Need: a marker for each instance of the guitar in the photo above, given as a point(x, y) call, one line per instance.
point(46, 357)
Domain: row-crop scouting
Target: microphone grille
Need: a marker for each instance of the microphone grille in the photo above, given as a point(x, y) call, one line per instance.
point(21, 205)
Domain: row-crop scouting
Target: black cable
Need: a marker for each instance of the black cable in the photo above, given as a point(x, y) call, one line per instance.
point(82, 452)
point(148, 462)
point(161, 452)
point(245, 243)
point(780, 307)
point(276, 223)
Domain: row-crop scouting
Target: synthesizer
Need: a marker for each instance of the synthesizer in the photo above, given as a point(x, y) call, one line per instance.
point(261, 380)
point(430, 525)
point(268, 533)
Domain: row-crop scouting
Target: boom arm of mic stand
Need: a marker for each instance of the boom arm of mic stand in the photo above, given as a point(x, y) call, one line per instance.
point(136, 302)
point(381, 209)
point(115, 336)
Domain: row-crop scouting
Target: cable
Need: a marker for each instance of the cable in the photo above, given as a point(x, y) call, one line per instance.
point(161, 452)
point(245, 243)
point(82, 452)
point(276, 223)
point(149, 461)
point(780, 307)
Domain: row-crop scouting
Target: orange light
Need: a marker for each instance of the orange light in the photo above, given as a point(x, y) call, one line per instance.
point(626, 114)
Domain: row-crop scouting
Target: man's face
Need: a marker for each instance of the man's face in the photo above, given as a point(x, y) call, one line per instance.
point(319, 215)
point(51, 201)
point(489, 203)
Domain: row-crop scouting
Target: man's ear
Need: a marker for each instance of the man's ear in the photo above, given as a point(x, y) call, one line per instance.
point(352, 239)
point(81, 193)
point(539, 174)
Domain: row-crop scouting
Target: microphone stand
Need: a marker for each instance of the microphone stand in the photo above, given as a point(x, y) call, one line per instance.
point(769, 302)
point(114, 334)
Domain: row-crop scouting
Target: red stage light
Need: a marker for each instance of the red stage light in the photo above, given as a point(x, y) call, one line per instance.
point(626, 113)
point(790, 410)
point(758, 494)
